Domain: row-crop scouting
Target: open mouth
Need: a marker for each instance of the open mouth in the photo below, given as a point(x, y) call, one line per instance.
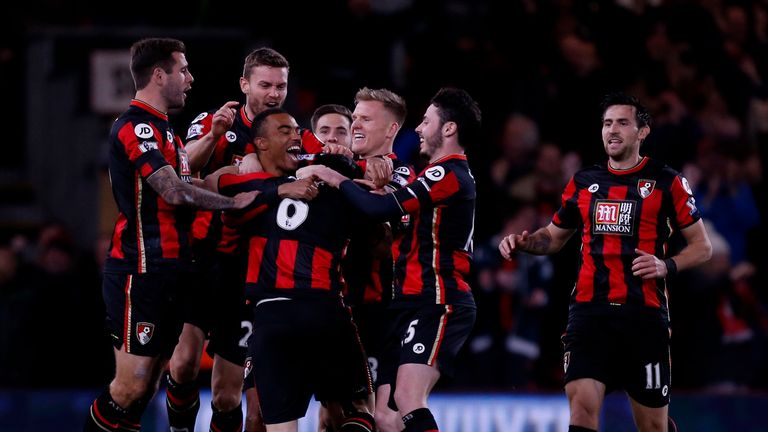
point(294, 151)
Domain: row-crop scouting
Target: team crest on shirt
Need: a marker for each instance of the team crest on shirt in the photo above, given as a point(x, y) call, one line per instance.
point(144, 332)
point(645, 187)
point(613, 217)
point(566, 361)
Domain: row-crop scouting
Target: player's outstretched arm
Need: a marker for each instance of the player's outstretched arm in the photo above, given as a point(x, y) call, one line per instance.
point(544, 241)
point(174, 191)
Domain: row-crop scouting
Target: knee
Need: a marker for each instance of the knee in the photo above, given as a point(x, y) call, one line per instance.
point(126, 393)
point(183, 367)
point(226, 400)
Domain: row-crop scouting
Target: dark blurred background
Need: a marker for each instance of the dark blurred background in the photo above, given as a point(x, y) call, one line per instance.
point(538, 70)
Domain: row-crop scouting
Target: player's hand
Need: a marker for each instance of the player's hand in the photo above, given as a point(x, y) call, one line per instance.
point(513, 243)
point(304, 189)
point(322, 173)
point(337, 149)
point(250, 164)
point(243, 199)
point(369, 184)
point(223, 118)
point(648, 266)
point(378, 170)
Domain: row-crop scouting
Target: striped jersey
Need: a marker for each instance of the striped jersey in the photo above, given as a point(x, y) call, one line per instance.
point(367, 265)
point(295, 247)
point(150, 234)
point(618, 211)
point(228, 150)
point(433, 257)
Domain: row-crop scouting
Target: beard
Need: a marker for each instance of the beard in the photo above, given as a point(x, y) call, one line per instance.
point(430, 145)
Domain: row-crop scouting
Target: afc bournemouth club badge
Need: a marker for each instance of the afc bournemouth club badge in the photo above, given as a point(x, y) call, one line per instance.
point(645, 187)
point(144, 331)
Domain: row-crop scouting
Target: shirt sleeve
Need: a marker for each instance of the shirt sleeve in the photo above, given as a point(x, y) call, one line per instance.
point(141, 143)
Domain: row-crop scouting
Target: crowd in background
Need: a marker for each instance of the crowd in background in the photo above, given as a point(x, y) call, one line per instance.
point(538, 70)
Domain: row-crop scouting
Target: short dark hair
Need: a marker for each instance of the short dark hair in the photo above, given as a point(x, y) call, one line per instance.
point(456, 105)
point(330, 109)
point(258, 121)
point(149, 53)
point(263, 57)
point(393, 102)
point(642, 116)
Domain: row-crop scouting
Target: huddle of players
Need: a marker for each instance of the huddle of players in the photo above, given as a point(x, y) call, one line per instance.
point(301, 338)
point(285, 249)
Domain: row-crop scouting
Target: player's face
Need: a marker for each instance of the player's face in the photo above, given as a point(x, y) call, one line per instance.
point(430, 132)
point(284, 143)
point(178, 82)
point(266, 87)
point(334, 128)
point(621, 136)
point(372, 128)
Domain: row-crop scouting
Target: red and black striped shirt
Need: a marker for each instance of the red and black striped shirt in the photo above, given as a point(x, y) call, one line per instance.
point(150, 234)
point(433, 257)
point(295, 247)
point(618, 211)
point(367, 265)
point(228, 150)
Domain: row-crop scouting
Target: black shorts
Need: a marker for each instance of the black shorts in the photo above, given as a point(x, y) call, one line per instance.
point(622, 349)
point(425, 335)
point(371, 320)
point(304, 347)
point(229, 316)
point(144, 311)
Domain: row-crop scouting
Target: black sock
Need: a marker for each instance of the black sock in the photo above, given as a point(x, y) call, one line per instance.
point(572, 428)
point(225, 421)
point(358, 422)
point(182, 402)
point(420, 420)
point(104, 414)
point(132, 421)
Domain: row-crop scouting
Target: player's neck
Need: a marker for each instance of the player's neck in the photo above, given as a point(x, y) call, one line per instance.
point(381, 150)
point(155, 101)
point(625, 164)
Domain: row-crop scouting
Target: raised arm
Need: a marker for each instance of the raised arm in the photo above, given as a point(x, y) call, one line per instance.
point(200, 150)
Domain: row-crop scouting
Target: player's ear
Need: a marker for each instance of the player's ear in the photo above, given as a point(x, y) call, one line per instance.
point(260, 143)
point(449, 128)
point(245, 86)
point(643, 132)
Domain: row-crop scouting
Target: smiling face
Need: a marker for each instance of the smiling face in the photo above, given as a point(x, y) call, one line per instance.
point(621, 135)
point(373, 128)
point(177, 83)
point(266, 87)
point(430, 133)
point(279, 144)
